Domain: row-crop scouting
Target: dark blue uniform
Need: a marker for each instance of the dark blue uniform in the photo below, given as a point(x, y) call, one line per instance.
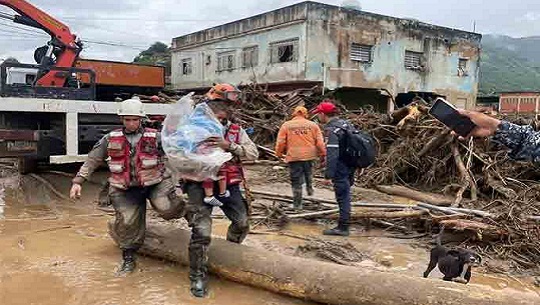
point(337, 171)
point(523, 141)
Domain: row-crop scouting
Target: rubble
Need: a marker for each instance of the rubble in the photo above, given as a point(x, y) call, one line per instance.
point(487, 194)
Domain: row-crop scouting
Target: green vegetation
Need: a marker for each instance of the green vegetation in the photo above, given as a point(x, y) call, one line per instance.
point(157, 54)
point(509, 64)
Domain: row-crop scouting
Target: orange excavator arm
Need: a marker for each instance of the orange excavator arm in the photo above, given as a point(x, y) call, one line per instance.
point(63, 49)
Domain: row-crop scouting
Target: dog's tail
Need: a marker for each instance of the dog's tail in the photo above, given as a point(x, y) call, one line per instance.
point(439, 236)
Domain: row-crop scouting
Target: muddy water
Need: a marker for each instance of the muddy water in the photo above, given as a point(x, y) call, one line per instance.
point(60, 253)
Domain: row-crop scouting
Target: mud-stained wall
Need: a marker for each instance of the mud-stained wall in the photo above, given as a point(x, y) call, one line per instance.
point(325, 34)
point(331, 33)
point(204, 60)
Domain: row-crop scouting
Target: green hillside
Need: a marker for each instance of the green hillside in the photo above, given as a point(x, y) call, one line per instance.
point(509, 64)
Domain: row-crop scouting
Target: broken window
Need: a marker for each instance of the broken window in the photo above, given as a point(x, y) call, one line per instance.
point(187, 66)
point(413, 60)
point(250, 57)
point(463, 67)
point(361, 53)
point(284, 51)
point(226, 61)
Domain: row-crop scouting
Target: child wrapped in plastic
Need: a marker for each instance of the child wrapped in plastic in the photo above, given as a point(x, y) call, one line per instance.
point(185, 132)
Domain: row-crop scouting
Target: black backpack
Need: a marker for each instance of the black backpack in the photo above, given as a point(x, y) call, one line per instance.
point(356, 148)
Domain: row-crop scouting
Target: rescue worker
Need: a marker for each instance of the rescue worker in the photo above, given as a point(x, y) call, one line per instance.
point(221, 98)
point(302, 142)
point(337, 172)
point(136, 162)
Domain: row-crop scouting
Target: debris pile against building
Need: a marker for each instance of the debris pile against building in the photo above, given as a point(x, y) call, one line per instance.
point(473, 188)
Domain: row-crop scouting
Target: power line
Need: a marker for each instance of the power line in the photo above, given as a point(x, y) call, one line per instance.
point(31, 30)
point(141, 19)
point(141, 48)
point(21, 34)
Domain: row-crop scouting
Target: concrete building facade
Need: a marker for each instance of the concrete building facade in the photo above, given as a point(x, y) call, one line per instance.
point(314, 43)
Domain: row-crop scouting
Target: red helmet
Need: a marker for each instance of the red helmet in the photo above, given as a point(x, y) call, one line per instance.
point(225, 92)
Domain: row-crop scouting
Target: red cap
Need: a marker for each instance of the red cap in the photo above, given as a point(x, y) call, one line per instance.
point(326, 108)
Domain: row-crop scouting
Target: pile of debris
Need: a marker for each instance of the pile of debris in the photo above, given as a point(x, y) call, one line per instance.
point(419, 153)
point(471, 187)
point(265, 113)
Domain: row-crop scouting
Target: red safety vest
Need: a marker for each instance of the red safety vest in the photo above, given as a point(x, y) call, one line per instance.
point(234, 169)
point(148, 168)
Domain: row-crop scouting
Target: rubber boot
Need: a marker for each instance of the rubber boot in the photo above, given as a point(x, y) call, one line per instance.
point(340, 230)
point(128, 263)
point(198, 272)
point(309, 188)
point(297, 199)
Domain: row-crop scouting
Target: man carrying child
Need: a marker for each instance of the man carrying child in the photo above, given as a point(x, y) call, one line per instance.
point(222, 98)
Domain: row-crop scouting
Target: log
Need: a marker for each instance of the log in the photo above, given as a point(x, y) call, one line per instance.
point(304, 215)
point(455, 211)
point(402, 191)
point(468, 182)
point(329, 203)
point(382, 214)
point(489, 231)
point(322, 282)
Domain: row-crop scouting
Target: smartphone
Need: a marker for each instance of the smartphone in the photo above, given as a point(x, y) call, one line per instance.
point(447, 114)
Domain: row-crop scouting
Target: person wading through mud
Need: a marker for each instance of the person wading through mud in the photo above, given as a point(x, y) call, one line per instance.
point(136, 162)
point(302, 142)
point(337, 172)
point(221, 98)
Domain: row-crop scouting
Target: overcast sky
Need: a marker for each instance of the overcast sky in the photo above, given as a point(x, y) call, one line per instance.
point(135, 24)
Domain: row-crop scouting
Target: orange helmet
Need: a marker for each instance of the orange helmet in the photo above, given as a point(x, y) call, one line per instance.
point(225, 92)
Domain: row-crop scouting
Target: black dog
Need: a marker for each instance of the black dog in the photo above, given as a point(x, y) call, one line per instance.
point(455, 264)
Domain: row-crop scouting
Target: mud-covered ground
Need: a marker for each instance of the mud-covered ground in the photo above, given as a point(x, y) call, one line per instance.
point(58, 252)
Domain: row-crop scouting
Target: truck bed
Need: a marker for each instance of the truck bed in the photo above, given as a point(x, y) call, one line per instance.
point(61, 130)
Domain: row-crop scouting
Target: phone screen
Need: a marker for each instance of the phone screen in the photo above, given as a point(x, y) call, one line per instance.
point(447, 114)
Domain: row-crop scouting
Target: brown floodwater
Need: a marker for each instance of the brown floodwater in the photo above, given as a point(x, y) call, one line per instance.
point(54, 252)
point(60, 253)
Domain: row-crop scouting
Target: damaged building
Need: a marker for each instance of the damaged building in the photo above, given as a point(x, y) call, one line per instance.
point(366, 58)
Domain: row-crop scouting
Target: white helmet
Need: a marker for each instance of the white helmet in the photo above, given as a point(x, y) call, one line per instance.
point(132, 107)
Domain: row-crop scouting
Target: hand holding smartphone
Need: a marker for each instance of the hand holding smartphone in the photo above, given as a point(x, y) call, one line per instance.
point(447, 114)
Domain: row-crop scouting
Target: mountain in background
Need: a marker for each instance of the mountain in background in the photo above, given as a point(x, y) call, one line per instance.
point(509, 64)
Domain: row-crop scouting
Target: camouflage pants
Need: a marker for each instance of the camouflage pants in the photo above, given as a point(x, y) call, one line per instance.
point(199, 214)
point(129, 226)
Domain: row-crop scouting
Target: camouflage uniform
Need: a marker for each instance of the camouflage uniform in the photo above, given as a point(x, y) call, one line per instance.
point(199, 214)
point(130, 205)
point(523, 141)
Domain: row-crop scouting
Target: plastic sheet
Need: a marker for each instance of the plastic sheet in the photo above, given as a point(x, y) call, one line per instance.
point(184, 134)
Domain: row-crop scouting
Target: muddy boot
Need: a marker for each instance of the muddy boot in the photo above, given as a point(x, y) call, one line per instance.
point(198, 273)
point(199, 287)
point(297, 199)
point(310, 191)
point(340, 230)
point(128, 263)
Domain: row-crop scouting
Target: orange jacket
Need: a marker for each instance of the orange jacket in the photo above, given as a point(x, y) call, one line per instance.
point(301, 140)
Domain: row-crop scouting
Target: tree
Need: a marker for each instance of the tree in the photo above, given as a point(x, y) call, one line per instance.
point(157, 54)
point(156, 50)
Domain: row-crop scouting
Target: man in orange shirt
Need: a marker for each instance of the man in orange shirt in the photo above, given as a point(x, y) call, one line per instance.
point(302, 142)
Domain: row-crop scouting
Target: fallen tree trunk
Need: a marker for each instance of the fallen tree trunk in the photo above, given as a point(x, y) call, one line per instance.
point(382, 214)
point(485, 231)
point(402, 191)
point(320, 281)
